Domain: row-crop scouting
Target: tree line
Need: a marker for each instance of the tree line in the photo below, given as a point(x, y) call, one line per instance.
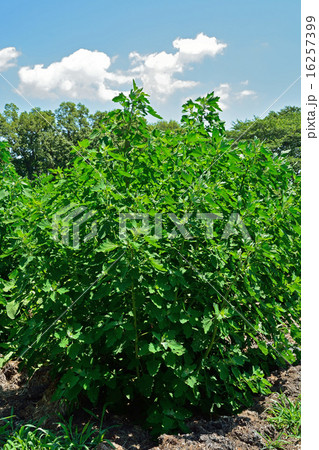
point(41, 140)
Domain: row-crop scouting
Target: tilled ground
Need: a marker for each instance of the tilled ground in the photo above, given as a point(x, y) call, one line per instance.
point(30, 401)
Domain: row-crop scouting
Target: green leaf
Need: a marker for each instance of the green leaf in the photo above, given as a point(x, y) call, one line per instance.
point(3, 193)
point(153, 113)
point(263, 347)
point(168, 423)
point(158, 302)
point(64, 342)
point(153, 366)
point(176, 348)
point(187, 177)
point(191, 381)
point(117, 156)
point(119, 98)
point(224, 372)
point(107, 246)
point(85, 143)
point(236, 372)
point(74, 350)
point(170, 359)
point(238, 360)
point(145, 385)
point(95, 134)
point(92, 393)
point(207, 323)
point(157, 264)
point(154, 348)
point(12, 308)
point(62, 290)
point(124, 174)
point(178, 413)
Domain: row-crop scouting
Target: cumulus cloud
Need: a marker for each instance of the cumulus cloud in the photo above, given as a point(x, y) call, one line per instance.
point(86, 74)
point(157, 70)
point(196, 49)
point(244, 93)
point(83, 74)
point(225, 92)
point(8, 58)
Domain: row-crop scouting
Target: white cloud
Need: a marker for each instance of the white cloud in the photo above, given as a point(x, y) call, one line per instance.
point(196, 49)
point(244, 83)
point(83, 74)
point(244, 93)
point(157, 70)
point(86, 74)
point(8, 56)
point(225, 92)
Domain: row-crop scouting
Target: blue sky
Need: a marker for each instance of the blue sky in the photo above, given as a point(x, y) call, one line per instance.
point(247, 51)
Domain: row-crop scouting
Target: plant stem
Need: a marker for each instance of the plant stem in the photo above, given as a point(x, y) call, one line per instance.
point(208, 350)
point(211, 342)
point(136, 334)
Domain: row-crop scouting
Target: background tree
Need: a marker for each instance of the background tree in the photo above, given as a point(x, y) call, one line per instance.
point(164, 125)
point(42, 140)
point(73, 121)
point(281, 131)
point(31, 139)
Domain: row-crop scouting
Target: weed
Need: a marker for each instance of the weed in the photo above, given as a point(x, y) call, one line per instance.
point(286, 415)
point(32, 437)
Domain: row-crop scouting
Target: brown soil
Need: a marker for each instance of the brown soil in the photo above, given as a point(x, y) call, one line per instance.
point(30, 400)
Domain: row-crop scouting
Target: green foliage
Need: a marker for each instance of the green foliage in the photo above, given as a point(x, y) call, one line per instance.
point(272, 444)
point(88, 437)
point(285, 415)
point(42, 140)
point(163, 324)
point(33, 437)
point(163, 125)
point(281, 131)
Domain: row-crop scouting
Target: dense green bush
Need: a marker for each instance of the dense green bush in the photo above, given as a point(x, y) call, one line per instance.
point(164, 324)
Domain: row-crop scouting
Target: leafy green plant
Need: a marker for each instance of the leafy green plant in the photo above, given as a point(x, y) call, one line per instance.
point(164, 324)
